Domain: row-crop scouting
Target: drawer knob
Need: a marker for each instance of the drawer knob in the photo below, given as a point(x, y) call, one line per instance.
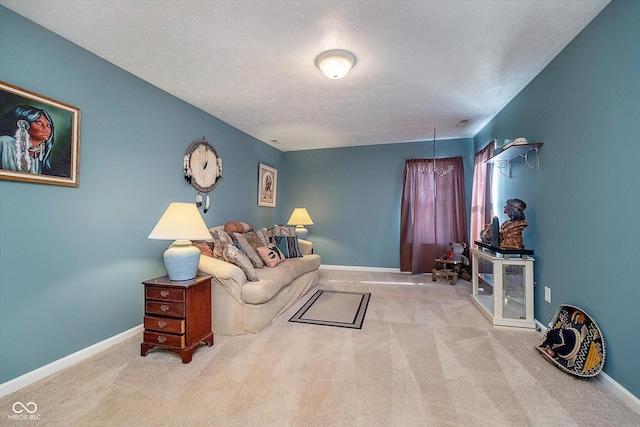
point(164, 293)
point(161, 339)
point(164, 307)
point(162, 323)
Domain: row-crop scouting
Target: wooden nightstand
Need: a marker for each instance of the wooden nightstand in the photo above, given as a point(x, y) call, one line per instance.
point(177, 315)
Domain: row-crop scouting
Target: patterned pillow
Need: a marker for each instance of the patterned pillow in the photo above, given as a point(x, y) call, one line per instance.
point(288, 246)
point(220, 242)
point(241, 239)
point(253, 239)
point(271, 255)
point(206, 248)
point(281, 230)
point(234, 256)
point(220, 237)
point(263, 234)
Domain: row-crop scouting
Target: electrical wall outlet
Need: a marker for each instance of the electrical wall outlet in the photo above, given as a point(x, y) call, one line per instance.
point(547, 294)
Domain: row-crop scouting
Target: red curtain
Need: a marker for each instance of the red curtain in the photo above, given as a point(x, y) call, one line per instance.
point(433, 213)
point(481, 212)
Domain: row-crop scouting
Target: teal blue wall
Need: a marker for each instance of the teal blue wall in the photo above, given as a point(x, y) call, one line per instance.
point(72, 259)
point(353, 196)
point(585, 107)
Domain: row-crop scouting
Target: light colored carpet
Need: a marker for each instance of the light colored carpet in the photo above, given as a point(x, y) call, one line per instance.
point(425, 356)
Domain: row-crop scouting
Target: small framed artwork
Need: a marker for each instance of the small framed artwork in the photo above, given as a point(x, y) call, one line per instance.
point(39, 138)
point(267, 186)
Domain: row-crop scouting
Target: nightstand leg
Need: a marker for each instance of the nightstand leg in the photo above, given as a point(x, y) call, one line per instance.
point(144, 349)
point(208, 340)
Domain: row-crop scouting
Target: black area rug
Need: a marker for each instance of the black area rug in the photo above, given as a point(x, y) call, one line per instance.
point(334, 308)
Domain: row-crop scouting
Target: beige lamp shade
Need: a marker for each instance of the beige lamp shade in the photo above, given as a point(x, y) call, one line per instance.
point(181, 222)
point(300, 217)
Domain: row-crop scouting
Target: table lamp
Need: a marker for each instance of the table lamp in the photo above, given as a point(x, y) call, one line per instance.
point(300, 217)
point(181, 222)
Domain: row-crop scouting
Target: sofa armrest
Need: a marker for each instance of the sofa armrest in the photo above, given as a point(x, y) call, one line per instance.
point(306, 246)
point(222, 271)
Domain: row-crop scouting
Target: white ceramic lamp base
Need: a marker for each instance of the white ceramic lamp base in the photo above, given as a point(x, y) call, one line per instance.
point(301, 232)
point(181, 260)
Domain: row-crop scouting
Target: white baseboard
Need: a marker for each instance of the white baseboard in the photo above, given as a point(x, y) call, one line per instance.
point(29, 378)
point(356, 268)
point(619, 391)
point(607, 382)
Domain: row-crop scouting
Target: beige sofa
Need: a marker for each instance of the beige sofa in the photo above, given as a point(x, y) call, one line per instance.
point(241, 307)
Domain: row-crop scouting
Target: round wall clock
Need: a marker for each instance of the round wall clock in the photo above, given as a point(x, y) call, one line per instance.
point(202, 166)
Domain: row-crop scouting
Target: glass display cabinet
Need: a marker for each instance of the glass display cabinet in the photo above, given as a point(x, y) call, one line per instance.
point(502, 283)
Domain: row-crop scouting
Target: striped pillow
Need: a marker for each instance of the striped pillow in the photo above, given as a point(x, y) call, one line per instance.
point(288, 246)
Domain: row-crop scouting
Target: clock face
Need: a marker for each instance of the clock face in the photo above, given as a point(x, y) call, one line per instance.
point(202, 166)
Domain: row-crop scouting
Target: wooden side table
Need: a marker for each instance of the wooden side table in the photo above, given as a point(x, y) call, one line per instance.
point(177, 315)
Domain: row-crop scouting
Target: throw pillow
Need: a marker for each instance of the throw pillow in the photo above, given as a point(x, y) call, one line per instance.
point(220, 242)
point(263, 234)
point(253, 239)
point(271, 255)
point(220, 237)
point(248, 249)
point(206, 248)
point(288, 246)
point(237, 227)
point(234, 256)
point(281, 230)
point(240, 248)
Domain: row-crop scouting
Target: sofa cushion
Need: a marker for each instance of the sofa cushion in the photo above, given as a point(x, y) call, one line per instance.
point(271, 255)
point(271, 280)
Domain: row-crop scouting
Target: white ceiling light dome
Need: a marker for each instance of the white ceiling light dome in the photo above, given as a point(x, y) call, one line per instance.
point(335, 64)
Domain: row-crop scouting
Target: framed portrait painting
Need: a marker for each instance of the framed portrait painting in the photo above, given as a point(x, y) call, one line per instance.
point(267, 186)
point(39, 138)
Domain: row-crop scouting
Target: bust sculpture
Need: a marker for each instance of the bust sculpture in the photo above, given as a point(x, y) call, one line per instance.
point(511, 230)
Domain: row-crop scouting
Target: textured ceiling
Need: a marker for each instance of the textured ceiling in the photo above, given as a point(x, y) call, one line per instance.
point(420, 64)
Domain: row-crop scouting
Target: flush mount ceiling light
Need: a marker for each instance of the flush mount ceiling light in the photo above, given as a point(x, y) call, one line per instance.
point(335, 64)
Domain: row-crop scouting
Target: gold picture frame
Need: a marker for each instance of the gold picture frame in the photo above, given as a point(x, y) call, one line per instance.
point(39, 138)
point(267, 186)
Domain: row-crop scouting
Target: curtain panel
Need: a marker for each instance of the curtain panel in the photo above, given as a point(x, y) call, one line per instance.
point(481, 212)
point(432, 213)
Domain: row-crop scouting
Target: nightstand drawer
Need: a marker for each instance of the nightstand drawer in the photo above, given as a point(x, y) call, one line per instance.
point(167, 340)
point(164, 324)
point(173, 309)
point(167, 294)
